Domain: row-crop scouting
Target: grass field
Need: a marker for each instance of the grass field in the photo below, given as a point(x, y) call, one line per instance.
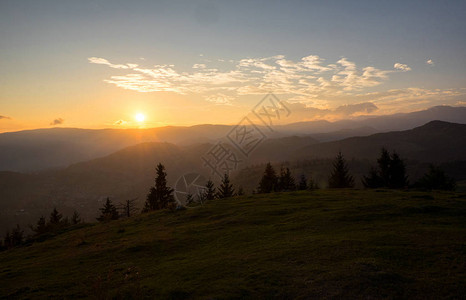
point(323, 244)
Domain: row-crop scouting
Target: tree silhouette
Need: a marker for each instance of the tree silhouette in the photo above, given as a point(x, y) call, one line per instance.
point(128, 207)
point(55, 217)
point(302, 185)
point(269, 180)
point(108, 212)
point(240, 191)
point(286, 181)
point(41, 226)
point(210, 190)
point(390, 174)
point(225, 190)
point(384, 165)
point(436, 179)
point(340, 177)
point(76, 218)
point(160, 196)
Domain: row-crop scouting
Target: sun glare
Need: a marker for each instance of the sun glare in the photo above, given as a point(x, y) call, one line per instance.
point(140, 117)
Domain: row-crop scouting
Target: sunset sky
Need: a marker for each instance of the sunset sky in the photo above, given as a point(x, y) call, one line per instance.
point(120, 64)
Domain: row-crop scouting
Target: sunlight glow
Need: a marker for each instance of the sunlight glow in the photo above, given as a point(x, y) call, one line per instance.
point(140, 117)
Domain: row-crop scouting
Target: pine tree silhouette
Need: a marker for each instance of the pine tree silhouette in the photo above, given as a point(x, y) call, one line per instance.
point(397, 171)
point(225, 190)
point(160, 196)
point(340, 177)
point(55, 217)
point(302, 185)
point(210, 190)
point(108, 212)
point(269, 181)
point(76, 218)
point(41, 226)
point(286, 181)
point(436, 179)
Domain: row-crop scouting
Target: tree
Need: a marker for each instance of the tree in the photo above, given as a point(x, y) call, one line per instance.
point(108, 212)
point(76, 218)
point(286, 181)
point(189, 199)
point(384, 165)
point(13, 239)
point(225, 190)
point(397, 171)
point(373, 180)
point(160, 196)
point(210, 190)
point(390, 174)
point(436, 179)
point(55, 218)
point(41, 226)
point(240, 191)
point(269, 180)
point(128, 207)
point(302, 185)
point(340, 177)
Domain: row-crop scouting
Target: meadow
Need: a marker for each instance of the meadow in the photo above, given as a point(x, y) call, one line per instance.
point(326, 244)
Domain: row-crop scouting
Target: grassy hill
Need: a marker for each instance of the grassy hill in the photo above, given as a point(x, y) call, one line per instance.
point(320, 244)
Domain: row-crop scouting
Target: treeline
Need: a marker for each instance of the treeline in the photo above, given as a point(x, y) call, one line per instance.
point(389, 172)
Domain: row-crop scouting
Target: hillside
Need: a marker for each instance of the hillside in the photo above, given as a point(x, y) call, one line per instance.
point(128, 173)
point(322, 244)
point(436, 141)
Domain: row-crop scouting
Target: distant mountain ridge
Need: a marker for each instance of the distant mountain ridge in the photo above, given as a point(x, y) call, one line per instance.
point(34, 150)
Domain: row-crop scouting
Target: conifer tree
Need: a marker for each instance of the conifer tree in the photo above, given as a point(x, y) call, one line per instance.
point(41, 226)
point(160, 196)
point(240, 191)
point(269, 180)
point(384, 166)
point(76, 218)
point(302, 185)
point(225, 190)
point(436, 179)
point(397, 171)
point(210, 190)
point(55, 218)
point(108, 212)
point(286, 181)
point(340, 177)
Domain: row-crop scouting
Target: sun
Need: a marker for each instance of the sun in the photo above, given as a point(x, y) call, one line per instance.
point(140, 117)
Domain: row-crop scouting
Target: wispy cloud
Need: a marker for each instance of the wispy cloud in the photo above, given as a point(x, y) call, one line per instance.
point(57, 121)
point(220, 99)
point(5, 118)
point(309, 80)
point(402, 67)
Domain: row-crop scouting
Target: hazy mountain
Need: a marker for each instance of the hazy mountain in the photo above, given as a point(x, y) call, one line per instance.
point(436, 141)
point(34, 150)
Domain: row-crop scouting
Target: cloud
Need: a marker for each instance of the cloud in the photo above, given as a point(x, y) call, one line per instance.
point(120, 122)
point(402, 67)
point(351, 109)
point(103, 61)
point(219, 99)
point(5, 118)
point(57, 121)
point(430, 62)
point(309, 80)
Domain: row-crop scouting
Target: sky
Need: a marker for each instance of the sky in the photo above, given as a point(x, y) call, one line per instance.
point(99, 64)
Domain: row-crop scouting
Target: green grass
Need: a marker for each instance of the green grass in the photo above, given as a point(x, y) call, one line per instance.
point(323, 244)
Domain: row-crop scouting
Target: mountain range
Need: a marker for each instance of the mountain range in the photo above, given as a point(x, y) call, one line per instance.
point(128, 173)
point(35, 150)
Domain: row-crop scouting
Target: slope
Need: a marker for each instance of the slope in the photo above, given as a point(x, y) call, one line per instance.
point(325, 244)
